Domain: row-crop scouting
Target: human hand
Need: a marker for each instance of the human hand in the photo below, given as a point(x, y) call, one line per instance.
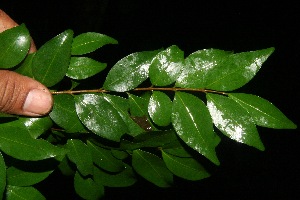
point(19, 94)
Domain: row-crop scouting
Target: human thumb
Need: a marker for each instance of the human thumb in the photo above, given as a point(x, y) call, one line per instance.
point(22, 95)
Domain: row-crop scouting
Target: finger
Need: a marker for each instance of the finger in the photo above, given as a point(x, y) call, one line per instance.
point(6, 23)
point(22, 95)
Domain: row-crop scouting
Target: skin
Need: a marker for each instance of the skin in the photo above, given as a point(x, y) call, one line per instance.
point(21, 95)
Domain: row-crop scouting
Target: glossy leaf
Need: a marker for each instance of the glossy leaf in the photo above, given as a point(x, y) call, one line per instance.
point(51, 62)
point(15, 43)
point(166, 66)
point(160, 108)
point(263, 112)
point(152, 168)
point(84, 67)
point(37, 126)
point(99, 116)
point(80, 154)
point(178, 151)
point(64, 113)
point(193, 124)
point(125, 178)
point(89, 42)
point(129, 72)
point(65, 167)
point(119, 154)
point(233, 120)
point(23, 193)
point(25, 67)
point(198, 65)
point(104, 159)
point(187, 168)
point(122, 106)
point(2, 175)
point(87, 188)
point(18, 143)
point(138, 105)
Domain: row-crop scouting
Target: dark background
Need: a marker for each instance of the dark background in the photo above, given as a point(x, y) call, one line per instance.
point(244, 173)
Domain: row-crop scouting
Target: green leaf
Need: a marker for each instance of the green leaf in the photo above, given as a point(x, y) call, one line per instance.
point(2, 175)
point(104, 159)
point(17, 142)
point(122, 106)
point(125, 178)
point(138, 105)
point(121, 155)
point(50, 63)
point(23, 193)
point(263, 112)
point(80, 154)
point(15, 43)
point(65, 167)
point(129, 72)
point(36, 126)
point(166, 66)
point(220, 70)
point(87, 188)
point(152, 168)
point(198, 65)
point(64, 113)
point(193, 124)
point(99, 116)
point(187, 168)
point(25, 67)
point(89, 42)
point(178, 152)
point(160, 108)
point(83, 67)
point(233, 120)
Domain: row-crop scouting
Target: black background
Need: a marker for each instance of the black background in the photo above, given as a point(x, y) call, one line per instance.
point(244, 173)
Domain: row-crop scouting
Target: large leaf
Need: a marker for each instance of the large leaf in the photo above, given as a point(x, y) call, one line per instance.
point(152, 168)
point(84, 67)
point(187, 168)
point(51, 62)
point(80, 154)
point(193, 124)
point(90, 41)
point(233, 120)
point(100, 116)
point(87, 188)
point(15, 43)
point(104, 159)
point(64, 113)
point(23, 193)
point(2, 175)
point(17, 142)
point(129, 72)
point(166, 66)
point(160, 108)
point(263, 112)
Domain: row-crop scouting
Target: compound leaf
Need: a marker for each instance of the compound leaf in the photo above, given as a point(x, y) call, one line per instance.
point(50, 63)
point(263, 112)
point(152, 168)
point(233, 120)
point(193, 124)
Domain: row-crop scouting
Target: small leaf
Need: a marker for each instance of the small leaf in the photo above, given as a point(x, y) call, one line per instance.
point(263, 112)
point(233, 120)
point(23, 193)
point(87, 188)
point(17, 142)
point(89, 42)
point(50, 63)
point(2, 175)
point(80, 154)
point(99, 116)
point(193, 124)
point(129, 72)
point(166, 66)
point(125, 178)
point(83, 67)
point(64, 113)
point(104, 159)
point(152, 168)
point(15, 43)
point(187, 168)
point(160, 108)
